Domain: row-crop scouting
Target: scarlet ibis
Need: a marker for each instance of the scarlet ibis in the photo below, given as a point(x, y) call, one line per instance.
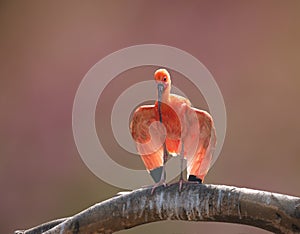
point(188, 132)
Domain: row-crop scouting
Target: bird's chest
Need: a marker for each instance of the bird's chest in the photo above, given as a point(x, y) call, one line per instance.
point(172, 118)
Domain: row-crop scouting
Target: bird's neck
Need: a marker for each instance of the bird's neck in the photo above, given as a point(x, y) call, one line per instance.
point(166, 95)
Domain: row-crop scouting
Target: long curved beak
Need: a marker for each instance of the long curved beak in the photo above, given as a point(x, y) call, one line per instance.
point(160, 89)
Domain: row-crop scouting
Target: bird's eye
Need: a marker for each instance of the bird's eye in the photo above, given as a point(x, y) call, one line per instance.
point(165, 78)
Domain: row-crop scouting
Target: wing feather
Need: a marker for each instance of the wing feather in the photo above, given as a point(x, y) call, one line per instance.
point(146, 132)
point(202, 129)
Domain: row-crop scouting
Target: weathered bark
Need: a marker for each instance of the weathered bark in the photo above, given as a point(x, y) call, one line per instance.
point(219, 203)
point(42, 228)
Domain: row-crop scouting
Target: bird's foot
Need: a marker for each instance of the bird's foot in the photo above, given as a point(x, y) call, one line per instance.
point(155, 185)
point(161, 182)
point(182, 181)
point(192, 180)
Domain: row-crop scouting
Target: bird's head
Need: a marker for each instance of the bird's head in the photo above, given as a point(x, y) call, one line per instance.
point(162, 76)
point(163, 81)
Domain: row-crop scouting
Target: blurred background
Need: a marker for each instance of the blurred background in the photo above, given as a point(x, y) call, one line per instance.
point(46, 47)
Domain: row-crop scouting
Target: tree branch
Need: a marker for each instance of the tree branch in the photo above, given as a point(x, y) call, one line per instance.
point(219, 203)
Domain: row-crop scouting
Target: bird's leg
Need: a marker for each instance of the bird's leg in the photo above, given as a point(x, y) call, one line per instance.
point(181, 180)
point(165, 158)
point(162, 180)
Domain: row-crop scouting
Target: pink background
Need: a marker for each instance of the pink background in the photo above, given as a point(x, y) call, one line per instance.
point(46, 47)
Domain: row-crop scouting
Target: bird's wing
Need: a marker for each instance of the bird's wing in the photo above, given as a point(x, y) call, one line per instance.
point(147, 133)
point(141, 120)
point(201, 161)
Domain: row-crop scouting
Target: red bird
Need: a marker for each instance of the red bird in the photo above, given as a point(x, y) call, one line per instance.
point(188, 132)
